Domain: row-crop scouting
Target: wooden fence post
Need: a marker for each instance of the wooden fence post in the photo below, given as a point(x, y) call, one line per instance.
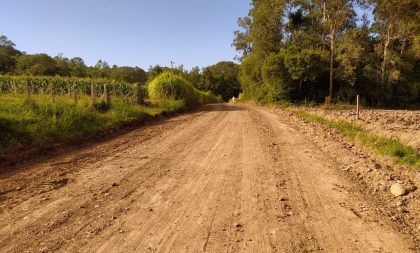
point(107, 96)
point(140, 94)
point(28, 89)
point(92, 95)
point(52, 90)
point(358, 102)
point(75, 94)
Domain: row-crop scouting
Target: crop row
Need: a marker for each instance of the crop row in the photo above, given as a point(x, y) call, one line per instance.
point(63, 85)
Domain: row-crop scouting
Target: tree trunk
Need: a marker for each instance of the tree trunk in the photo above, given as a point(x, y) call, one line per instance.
point(107, 96)
point(75, 98)
point(300, 87)
point(52, 90)
point(385, 55)
point(140, 94)
point(323, 26)
point(404, 43)
point(27, 89)
point(92, 95)
point(331, 62)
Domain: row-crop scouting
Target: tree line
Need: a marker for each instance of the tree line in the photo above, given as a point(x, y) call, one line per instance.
point(321, 50)
point(220, 79)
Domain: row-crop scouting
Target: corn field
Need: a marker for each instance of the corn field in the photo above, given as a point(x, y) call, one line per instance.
point(61, 86)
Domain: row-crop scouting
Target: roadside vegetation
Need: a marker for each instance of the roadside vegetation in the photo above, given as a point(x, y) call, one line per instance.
point(219, 79)
point(328, 51)
point(40, 121)
point(382, 145)
point(170, 86)
point(40, 111)
point(46, 100)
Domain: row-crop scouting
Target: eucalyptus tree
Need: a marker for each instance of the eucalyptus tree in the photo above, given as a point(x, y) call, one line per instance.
point(339, 14)
point(397, 23)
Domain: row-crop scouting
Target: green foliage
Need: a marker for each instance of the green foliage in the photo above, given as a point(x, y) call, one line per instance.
point(285, 75)
point(250, 77)
point(304, 64)
point(102, 106)
point(40, 121)
point(384, 146)
point(36, 65)
point(77, 67)
point(62, 85)
point(170, 86)
point(380, 61)
point(170, 105)
point(222, 79)
point(154, 71)
point(8, 55)
point(128, 75)
point(265, 28)
point(275, 78)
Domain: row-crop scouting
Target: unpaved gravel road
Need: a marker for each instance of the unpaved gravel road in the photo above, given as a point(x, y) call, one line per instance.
point(227, 178)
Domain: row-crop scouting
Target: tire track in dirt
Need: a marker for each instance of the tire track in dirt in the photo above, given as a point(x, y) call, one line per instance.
point(321, 202)
point(225, 179)
point(92, 179)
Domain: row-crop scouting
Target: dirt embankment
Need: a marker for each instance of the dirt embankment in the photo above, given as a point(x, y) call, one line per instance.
point(401, 124)
point(224, 179)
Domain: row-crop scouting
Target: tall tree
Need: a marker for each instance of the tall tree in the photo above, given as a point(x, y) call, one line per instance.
point(242, 41)
point(339, 14)
point(8, 55)
point(396, 22)
point(222, 79)
point(77, 67)
point(129, 74)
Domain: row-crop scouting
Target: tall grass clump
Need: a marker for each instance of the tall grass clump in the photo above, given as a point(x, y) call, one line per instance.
point(170, 86)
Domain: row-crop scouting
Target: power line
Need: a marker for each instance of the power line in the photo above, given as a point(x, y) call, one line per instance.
point(129, 20)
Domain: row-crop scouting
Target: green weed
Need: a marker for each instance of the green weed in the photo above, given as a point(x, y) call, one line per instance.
point(382, 145)
point(40, 120)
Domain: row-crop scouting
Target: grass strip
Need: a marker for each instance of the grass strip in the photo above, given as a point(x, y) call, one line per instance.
point(40, 121)
point(382, 145)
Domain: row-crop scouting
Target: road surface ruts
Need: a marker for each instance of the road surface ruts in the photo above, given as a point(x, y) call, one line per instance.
point(228, 178)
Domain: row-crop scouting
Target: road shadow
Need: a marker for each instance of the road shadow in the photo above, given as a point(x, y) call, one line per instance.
point(221, 107)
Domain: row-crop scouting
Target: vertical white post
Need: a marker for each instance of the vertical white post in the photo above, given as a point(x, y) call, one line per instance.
point(357, 101)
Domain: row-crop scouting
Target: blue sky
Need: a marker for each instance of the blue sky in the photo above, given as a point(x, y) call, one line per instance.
point(126, 32)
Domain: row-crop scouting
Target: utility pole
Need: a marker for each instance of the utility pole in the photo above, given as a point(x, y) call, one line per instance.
point(172, 65)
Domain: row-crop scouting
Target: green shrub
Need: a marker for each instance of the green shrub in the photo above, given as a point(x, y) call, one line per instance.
point(170, 86)
point(102, 106)
point(169, 105)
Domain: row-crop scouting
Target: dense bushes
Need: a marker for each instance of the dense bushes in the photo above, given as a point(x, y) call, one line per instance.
point(289, 53)
point(275, 78)
point(287, 75)
point(221, 79)
point(251, 79)
point(170, 86)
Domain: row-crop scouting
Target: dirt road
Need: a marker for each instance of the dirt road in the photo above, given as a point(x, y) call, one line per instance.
point(226, 178)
